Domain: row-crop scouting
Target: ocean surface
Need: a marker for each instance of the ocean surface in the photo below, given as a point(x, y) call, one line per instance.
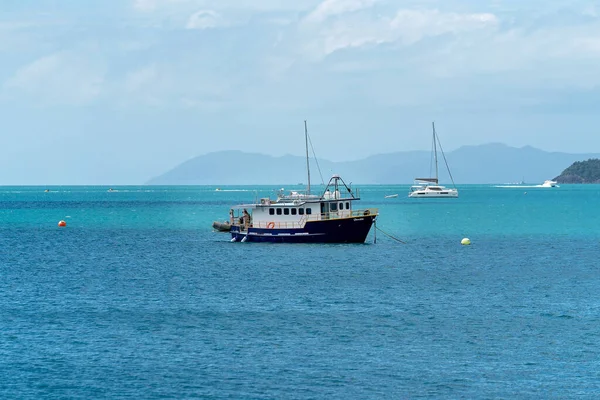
point(138, 298)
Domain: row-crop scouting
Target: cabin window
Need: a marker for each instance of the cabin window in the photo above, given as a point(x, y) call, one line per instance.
point(341, 206)
point(347, 205)
point(308, 211)
point(301, 211)
point(286, 211)
point(271, 211)
point(333, 207)
point(279, 211)
point(294, 211)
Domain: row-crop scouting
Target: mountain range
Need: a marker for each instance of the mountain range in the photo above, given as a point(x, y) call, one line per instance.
point(488, 163)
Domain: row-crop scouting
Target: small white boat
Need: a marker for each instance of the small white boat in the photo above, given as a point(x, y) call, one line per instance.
point(549, 183)
point(427, 190)
point(430, 187)
point(391, 196)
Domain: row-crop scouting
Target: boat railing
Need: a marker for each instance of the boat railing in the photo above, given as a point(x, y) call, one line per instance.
point(347, 214)
point(365, 212)
point(350, 213)
point(279, 224)
point(315, 217)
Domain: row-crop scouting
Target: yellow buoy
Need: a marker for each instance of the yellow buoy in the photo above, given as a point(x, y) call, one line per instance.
point(465, 241)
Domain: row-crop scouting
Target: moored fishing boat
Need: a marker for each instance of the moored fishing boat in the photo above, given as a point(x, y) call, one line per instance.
point(303, 217)
point(328, 218)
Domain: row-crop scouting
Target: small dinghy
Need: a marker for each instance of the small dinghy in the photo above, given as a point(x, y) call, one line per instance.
point(221, 226)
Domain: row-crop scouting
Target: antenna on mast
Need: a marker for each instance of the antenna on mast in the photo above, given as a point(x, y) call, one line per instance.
point(435, 151)
point(307, 161)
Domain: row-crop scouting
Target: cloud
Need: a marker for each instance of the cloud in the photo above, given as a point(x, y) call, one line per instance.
point(330, 8)
point(182, 14)
point(62, 77)
point(174, 83)
point(316, 41)
point(230, 5)
point(406, 27)
point(145, 5)
point(204, 19)
point(410, 26)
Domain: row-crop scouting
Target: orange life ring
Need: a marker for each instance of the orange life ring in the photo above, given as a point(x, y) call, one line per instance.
point(271, 225)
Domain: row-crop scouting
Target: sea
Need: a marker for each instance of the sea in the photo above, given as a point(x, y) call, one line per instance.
point(138, 298)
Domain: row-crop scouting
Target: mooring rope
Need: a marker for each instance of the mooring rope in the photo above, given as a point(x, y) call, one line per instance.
point(389, 235)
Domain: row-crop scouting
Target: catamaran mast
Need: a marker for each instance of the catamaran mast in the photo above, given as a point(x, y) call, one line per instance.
point(435, 153)
point(307, 161)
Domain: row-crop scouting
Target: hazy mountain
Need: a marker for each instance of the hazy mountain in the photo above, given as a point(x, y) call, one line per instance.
point(490, 163)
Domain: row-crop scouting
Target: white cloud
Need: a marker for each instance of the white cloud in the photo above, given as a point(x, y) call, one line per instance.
point(406, 27)
point(146, 5)
point(179, 14)
point(62, 77)
point(410, 26)
point(342, 37)
point(559, 57)
point(330, 8)
point(204, 19)
point(232, 5)
point(174, 83)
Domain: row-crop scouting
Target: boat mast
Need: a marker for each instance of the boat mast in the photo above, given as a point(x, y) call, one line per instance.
point(307, 161)
point(435, 153)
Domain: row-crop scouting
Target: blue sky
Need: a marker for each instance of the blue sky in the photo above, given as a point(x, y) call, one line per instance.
point(116, 92)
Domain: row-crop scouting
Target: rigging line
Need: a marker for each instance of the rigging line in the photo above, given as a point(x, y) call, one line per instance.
point(431, 158)
point(446, 161)
point(316, 160)
point(388, 235)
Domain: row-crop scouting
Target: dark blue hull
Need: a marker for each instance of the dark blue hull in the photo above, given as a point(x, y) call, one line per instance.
point(347, 230)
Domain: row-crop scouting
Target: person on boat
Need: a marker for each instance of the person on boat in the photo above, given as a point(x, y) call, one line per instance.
point(246, 218)
point(231, 219)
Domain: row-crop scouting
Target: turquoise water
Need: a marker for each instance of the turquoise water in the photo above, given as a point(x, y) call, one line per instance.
point(138, 298)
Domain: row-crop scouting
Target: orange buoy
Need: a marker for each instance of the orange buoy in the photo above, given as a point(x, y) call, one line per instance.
point(62, 223)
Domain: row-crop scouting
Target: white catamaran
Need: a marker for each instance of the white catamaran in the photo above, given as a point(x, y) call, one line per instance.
point(429, 187)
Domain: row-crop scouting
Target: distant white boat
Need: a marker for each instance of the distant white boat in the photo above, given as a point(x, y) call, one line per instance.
point(549, 184)
point(391, 196)
point(429, 187)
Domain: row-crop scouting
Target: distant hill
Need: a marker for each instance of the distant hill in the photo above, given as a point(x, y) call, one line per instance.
point(490, 163)
point(581, 172)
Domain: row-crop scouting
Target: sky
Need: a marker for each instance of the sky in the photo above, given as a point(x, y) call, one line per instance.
point(119, 91)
